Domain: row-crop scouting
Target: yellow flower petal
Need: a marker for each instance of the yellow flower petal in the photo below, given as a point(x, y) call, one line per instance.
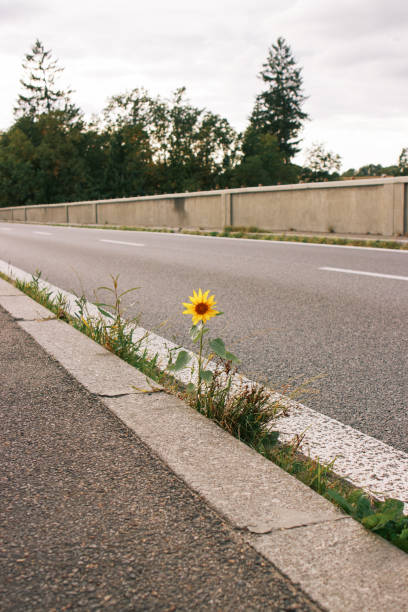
point(201, 307)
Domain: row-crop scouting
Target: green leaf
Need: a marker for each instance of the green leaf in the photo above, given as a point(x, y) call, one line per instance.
point(391, 512)
point(393, 507)
point(231, 357)
point(128, 291)
point(217, 345)
point(106, 313)
point(340, 501)
point(182, 360)
point(107, 289)
point(375, 521)
point(190, 388)
point(363, 507)
point(400, 542)
point(196, 331)
point(206, 375)
point(269, 441)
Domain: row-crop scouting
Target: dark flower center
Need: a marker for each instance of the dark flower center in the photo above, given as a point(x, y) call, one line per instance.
point(201, 308)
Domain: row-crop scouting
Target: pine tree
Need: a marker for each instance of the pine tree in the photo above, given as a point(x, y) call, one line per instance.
point(403, 161)
point(278, 109)
point(40, 93)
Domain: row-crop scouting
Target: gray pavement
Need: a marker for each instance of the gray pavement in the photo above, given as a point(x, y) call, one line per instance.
point(91, 519)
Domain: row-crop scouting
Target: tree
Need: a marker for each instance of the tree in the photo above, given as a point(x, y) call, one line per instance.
point(17, 174)
point(350, 173)
point(262, 163)
point(43, 162)
point(278, 109)
point(321, 164)
point(403, 162)
point(371, 170)
point(170, 145)
point(128, 122)
point(40, 93)
point(201, 145)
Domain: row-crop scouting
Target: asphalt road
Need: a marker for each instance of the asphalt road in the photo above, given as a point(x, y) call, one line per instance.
point(287, 319)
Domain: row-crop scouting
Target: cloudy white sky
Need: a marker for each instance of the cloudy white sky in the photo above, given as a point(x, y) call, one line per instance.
point(353, 53)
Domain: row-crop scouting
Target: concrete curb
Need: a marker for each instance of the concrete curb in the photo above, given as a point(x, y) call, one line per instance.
point(335, 560)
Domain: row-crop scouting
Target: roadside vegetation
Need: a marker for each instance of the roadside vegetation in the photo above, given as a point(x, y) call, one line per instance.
point(255, 233)
point(245, 409)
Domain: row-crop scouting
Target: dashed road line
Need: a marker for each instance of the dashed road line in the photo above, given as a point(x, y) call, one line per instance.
point(43, 233)
point(138, 244)
point(363, 273)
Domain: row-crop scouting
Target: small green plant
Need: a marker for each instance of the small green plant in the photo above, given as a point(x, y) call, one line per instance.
point(246, 412)
point(317, 475)
point(58, 305)
point(384, 517)
point(201, 309)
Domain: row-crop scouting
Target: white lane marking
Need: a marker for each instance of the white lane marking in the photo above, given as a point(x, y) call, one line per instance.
point(43, 233)
point(139, 244)
point(362, 273)
point(361, 459)
point(285, 242)
point(5, 229)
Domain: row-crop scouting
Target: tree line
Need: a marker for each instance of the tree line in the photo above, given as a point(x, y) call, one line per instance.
point(143, 145)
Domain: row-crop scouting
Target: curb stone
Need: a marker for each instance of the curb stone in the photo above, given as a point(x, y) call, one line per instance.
point(329, 555)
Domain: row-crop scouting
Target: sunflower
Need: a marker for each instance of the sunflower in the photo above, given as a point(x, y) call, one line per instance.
point(201, 307)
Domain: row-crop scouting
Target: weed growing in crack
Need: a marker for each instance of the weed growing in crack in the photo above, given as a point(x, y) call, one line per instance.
point(58, 304)
point(246, 412)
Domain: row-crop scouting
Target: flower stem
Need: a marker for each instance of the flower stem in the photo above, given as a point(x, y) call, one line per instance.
point(200, 353)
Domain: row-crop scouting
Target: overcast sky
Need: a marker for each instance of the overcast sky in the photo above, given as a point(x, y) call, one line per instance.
point(353, 53)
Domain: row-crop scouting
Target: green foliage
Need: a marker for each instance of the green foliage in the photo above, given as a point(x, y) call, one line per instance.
point(141, 145)
point(278, 109)
point(44, 160)
point(321, 164)
point(40, 93)
point(263, 163)
point(218, 346)
point(376, 170)
point(403, 162)
point(180, 147)
point(384, 517)
point(246, 413)
point(181, 362)
point(42, 295)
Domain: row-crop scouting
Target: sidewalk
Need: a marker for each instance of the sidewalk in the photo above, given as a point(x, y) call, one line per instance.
point(115, 495)
point(92, 520)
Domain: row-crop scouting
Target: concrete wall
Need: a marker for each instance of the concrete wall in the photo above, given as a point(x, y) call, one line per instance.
point(188, 211)
point(373, 206)
point(18, 215)
point(46, 214)
point(82, 214)
point(348, 209)
point(6, 214)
